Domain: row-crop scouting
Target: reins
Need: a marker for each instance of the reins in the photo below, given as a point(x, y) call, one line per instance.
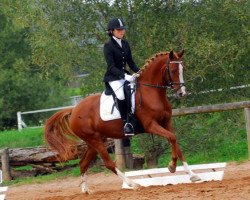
point(155, 86)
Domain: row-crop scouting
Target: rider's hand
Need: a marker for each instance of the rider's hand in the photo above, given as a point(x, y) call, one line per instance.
point(135, 75)
point(129, 78)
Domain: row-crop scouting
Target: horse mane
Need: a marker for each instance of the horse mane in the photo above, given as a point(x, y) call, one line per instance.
point(150, 60)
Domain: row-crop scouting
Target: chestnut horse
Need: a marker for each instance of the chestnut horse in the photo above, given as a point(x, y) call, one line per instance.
point(153, 110)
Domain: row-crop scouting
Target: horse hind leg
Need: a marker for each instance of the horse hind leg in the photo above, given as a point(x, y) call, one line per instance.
point(85, 161)
point(98, 144)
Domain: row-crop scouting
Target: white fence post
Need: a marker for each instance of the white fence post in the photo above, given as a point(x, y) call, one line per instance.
point(19, 121)
point(1, 177)
point(247, 116)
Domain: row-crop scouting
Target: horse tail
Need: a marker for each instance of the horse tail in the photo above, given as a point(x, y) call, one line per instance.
point(59, 136)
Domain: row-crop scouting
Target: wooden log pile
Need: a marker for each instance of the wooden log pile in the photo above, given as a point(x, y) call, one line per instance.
point(40, 155)
point(42, 159)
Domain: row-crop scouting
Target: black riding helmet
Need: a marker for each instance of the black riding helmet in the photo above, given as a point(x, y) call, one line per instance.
point(115, 23)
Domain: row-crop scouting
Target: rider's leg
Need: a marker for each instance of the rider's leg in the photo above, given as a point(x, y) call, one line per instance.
point(117, 87)
point(128, 128)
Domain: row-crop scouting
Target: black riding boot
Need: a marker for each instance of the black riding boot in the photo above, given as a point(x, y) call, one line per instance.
point(128, 128)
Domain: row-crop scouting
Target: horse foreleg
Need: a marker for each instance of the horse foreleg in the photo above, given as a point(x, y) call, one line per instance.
point(126, 180)
point(155, 128)
point(86, 159)
point(109, 164)
point(193, 177)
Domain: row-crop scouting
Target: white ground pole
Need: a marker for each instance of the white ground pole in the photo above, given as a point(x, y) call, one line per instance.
point(162, 176)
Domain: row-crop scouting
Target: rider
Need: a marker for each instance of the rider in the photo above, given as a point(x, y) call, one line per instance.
point(117, 54)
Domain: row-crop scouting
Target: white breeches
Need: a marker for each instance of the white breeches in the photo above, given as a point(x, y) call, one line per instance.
point(117, 87)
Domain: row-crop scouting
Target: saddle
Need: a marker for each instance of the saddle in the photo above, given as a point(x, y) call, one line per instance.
point(109, 107)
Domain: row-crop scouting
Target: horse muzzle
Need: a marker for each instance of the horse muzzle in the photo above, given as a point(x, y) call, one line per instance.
point(182, 92)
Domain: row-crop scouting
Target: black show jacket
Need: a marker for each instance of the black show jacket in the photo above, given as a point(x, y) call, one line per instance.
point(117, 57)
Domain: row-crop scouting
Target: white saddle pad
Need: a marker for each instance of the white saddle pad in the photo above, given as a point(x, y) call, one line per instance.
point(107, 106)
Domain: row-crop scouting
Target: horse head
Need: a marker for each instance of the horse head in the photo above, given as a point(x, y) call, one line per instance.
point(171, 68)
point(174, 73)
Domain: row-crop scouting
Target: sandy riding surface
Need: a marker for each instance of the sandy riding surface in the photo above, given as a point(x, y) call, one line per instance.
point(235, 185)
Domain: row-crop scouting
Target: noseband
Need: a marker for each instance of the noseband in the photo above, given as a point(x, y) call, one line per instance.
point(170, 82)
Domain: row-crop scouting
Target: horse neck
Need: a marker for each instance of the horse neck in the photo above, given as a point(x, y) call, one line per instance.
point(154, 72)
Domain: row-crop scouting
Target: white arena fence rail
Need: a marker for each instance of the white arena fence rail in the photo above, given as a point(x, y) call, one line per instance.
point(1, 177)
point(20, 121)
point(21, 124)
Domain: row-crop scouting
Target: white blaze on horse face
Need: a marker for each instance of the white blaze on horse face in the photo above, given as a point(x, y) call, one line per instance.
point(181, 79)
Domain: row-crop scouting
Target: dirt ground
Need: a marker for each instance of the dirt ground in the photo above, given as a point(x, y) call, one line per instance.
point(235, 185)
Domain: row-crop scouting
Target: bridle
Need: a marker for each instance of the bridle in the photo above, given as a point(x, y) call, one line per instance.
point(170, 84)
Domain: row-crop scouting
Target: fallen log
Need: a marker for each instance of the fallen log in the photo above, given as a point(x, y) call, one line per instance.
point(32, 155)
point(41, 155)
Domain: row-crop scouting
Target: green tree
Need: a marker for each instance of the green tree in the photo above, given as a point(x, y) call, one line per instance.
point(22, 83)
point(64, 38)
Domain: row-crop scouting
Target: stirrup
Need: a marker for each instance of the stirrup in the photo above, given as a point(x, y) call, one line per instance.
point(131, 133)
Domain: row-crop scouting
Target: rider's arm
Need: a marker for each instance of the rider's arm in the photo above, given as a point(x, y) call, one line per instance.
point(130, 61)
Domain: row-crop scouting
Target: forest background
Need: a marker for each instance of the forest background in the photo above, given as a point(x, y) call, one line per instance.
point(46, 44)
point(53, 49)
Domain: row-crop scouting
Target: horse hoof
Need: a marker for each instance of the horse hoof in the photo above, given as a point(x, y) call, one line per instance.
point(137, 187)
point(85, 190)
point(195, 178)
point(171, 167)
point(134, 185)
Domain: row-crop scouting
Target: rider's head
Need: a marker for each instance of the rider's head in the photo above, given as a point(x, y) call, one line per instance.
point(116, 28)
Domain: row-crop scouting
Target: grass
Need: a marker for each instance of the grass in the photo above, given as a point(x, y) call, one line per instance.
point(233, 153)
point(74, 172)
point(73, 91)
point(39, 179)
point(26, 138)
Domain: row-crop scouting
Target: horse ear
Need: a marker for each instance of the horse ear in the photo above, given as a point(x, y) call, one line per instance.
point(171, 55)
point(180, 54)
